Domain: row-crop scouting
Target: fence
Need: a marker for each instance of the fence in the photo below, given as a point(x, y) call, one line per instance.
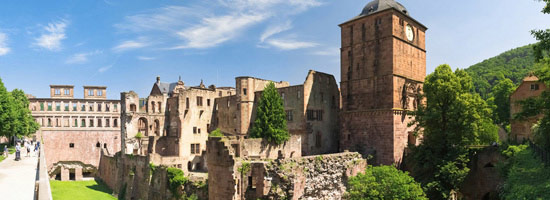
point(43, 190)
point(543, 154)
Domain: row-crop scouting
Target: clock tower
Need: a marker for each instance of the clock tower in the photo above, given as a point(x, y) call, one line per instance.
point(383, 66)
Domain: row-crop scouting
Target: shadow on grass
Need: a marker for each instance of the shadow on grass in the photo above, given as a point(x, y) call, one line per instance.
point(101, 187)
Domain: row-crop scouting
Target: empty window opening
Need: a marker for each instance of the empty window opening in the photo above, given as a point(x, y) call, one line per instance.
point(71, 145)
point(97, 144)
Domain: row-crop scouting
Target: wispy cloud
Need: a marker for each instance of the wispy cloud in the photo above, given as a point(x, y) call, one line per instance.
point(52, 36)
point(4, 49)
point(335, 51)
point(272, 30)
point(104, 68)
point(130, 44)
point(288, 44)
point(145, 58)
point(216, 30)
point(81, 58)
point(198, 26)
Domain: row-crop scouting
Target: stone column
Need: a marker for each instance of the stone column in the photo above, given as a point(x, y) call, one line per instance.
point(64, 174)
point(78, 174)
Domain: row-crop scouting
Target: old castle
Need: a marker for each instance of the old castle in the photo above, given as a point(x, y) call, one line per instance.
point(383, 66)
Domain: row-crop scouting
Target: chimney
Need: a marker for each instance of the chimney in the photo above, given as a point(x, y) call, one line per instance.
point(158, 79)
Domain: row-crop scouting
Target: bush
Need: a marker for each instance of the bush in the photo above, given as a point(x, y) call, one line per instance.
point(175, 180)
point(526, 176)
point(384, 182)
point(216, 133)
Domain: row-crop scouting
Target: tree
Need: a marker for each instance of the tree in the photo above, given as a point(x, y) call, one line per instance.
point(24, 124)
point(384, 182)
point(542, 49)
point(270, 122)
point(6, 111)
point(500, 99)
point(452, 118)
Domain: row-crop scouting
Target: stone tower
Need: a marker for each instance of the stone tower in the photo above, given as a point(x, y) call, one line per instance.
point(383, 66)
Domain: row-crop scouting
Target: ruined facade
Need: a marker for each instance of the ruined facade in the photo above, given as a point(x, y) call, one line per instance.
point(254, 169)
point(383, 66)
point(311, 108)
point(521, 128)
point(172, 123)
point(75, 131)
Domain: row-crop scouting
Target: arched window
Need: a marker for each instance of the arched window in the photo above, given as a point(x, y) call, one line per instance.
point(83, 123)
point(142, 126)
point(97, 144)
point(49, 122)
point(160, 110)
point(156, 127)
point(133, 108)
point(152, 106)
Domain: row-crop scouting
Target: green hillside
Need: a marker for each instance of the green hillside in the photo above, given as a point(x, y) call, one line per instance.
point(513, 64)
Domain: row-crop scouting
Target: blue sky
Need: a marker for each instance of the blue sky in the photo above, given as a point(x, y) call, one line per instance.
point(125, 44)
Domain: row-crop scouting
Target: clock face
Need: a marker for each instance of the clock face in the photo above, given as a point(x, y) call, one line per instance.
point(409, 33)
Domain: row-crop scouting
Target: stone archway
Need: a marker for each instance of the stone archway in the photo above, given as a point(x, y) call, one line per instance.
point(142, 126)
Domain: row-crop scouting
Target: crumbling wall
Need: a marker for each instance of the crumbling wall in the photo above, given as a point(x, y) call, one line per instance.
point(483, 179)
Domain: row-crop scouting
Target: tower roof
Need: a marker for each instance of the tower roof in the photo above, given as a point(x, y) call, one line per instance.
point(380, 5)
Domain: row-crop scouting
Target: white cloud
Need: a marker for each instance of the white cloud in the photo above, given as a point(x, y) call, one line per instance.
point(216, 30)
point(4, 49)
point(81, 58)
point(199, 26)
point(285, 44)
point(327, 52)
point(272, 30)
point(130, 44)
point(145, 58)
point(105, 68)
point(52, 36)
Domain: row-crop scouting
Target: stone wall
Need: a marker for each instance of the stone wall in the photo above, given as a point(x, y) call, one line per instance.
point(312, 177)
point(130, 177)
point(483, 179)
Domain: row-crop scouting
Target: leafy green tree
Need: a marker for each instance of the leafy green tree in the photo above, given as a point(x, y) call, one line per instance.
point(452, 118)
point(542, 49)
point(6, 111)
point(24, 123)
point(270, 122)
point(500, 99)
point(384, 182)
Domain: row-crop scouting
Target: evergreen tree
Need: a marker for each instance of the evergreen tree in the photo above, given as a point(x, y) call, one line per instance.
point(270, 122)
point(452, 118)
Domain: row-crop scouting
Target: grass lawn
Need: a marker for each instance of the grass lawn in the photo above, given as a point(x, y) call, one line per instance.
point(83, 190)
point(527, 178)
point(11, 150)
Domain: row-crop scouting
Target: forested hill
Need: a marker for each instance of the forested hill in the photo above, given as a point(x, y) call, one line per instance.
point(513, 64)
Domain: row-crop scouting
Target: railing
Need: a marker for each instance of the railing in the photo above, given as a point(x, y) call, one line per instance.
point(543, 154)
point(42, 188)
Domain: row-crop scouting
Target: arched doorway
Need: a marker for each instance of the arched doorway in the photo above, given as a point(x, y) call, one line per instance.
point(142, 126)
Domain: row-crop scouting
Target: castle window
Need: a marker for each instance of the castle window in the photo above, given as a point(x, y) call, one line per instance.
point(49, 106)
point(195, 129)
point(244, 91)
point(90, 92)
point(49, 122)
point(98, 144)
point(105, 145)
point(91, 123)
point(195, 148)
point(99, 123)
point(107, 107)
point(71, 145)
point(67, 92)
point(41, 106)
point(75, 123)
point(100, 93)
point(208, 102)
point(83, 108)
point(74, 106)
point(153, 106)
point(401, 23)
point(534, 86)
point(116, 108)
point(199, 130)
point(132, 107)
point(289, 116)
point(411, 139)
point(199, 101)
point(187, 102)
point(91, 107)
point(115, 123)
point(283, 96)
point(83, 123)
point(57, 106)
point(314, 115)
point(160, 110)
point(57, 92)
point(99, 107)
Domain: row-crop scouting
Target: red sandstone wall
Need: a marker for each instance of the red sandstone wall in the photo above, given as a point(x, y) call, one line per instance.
point(57, 148)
